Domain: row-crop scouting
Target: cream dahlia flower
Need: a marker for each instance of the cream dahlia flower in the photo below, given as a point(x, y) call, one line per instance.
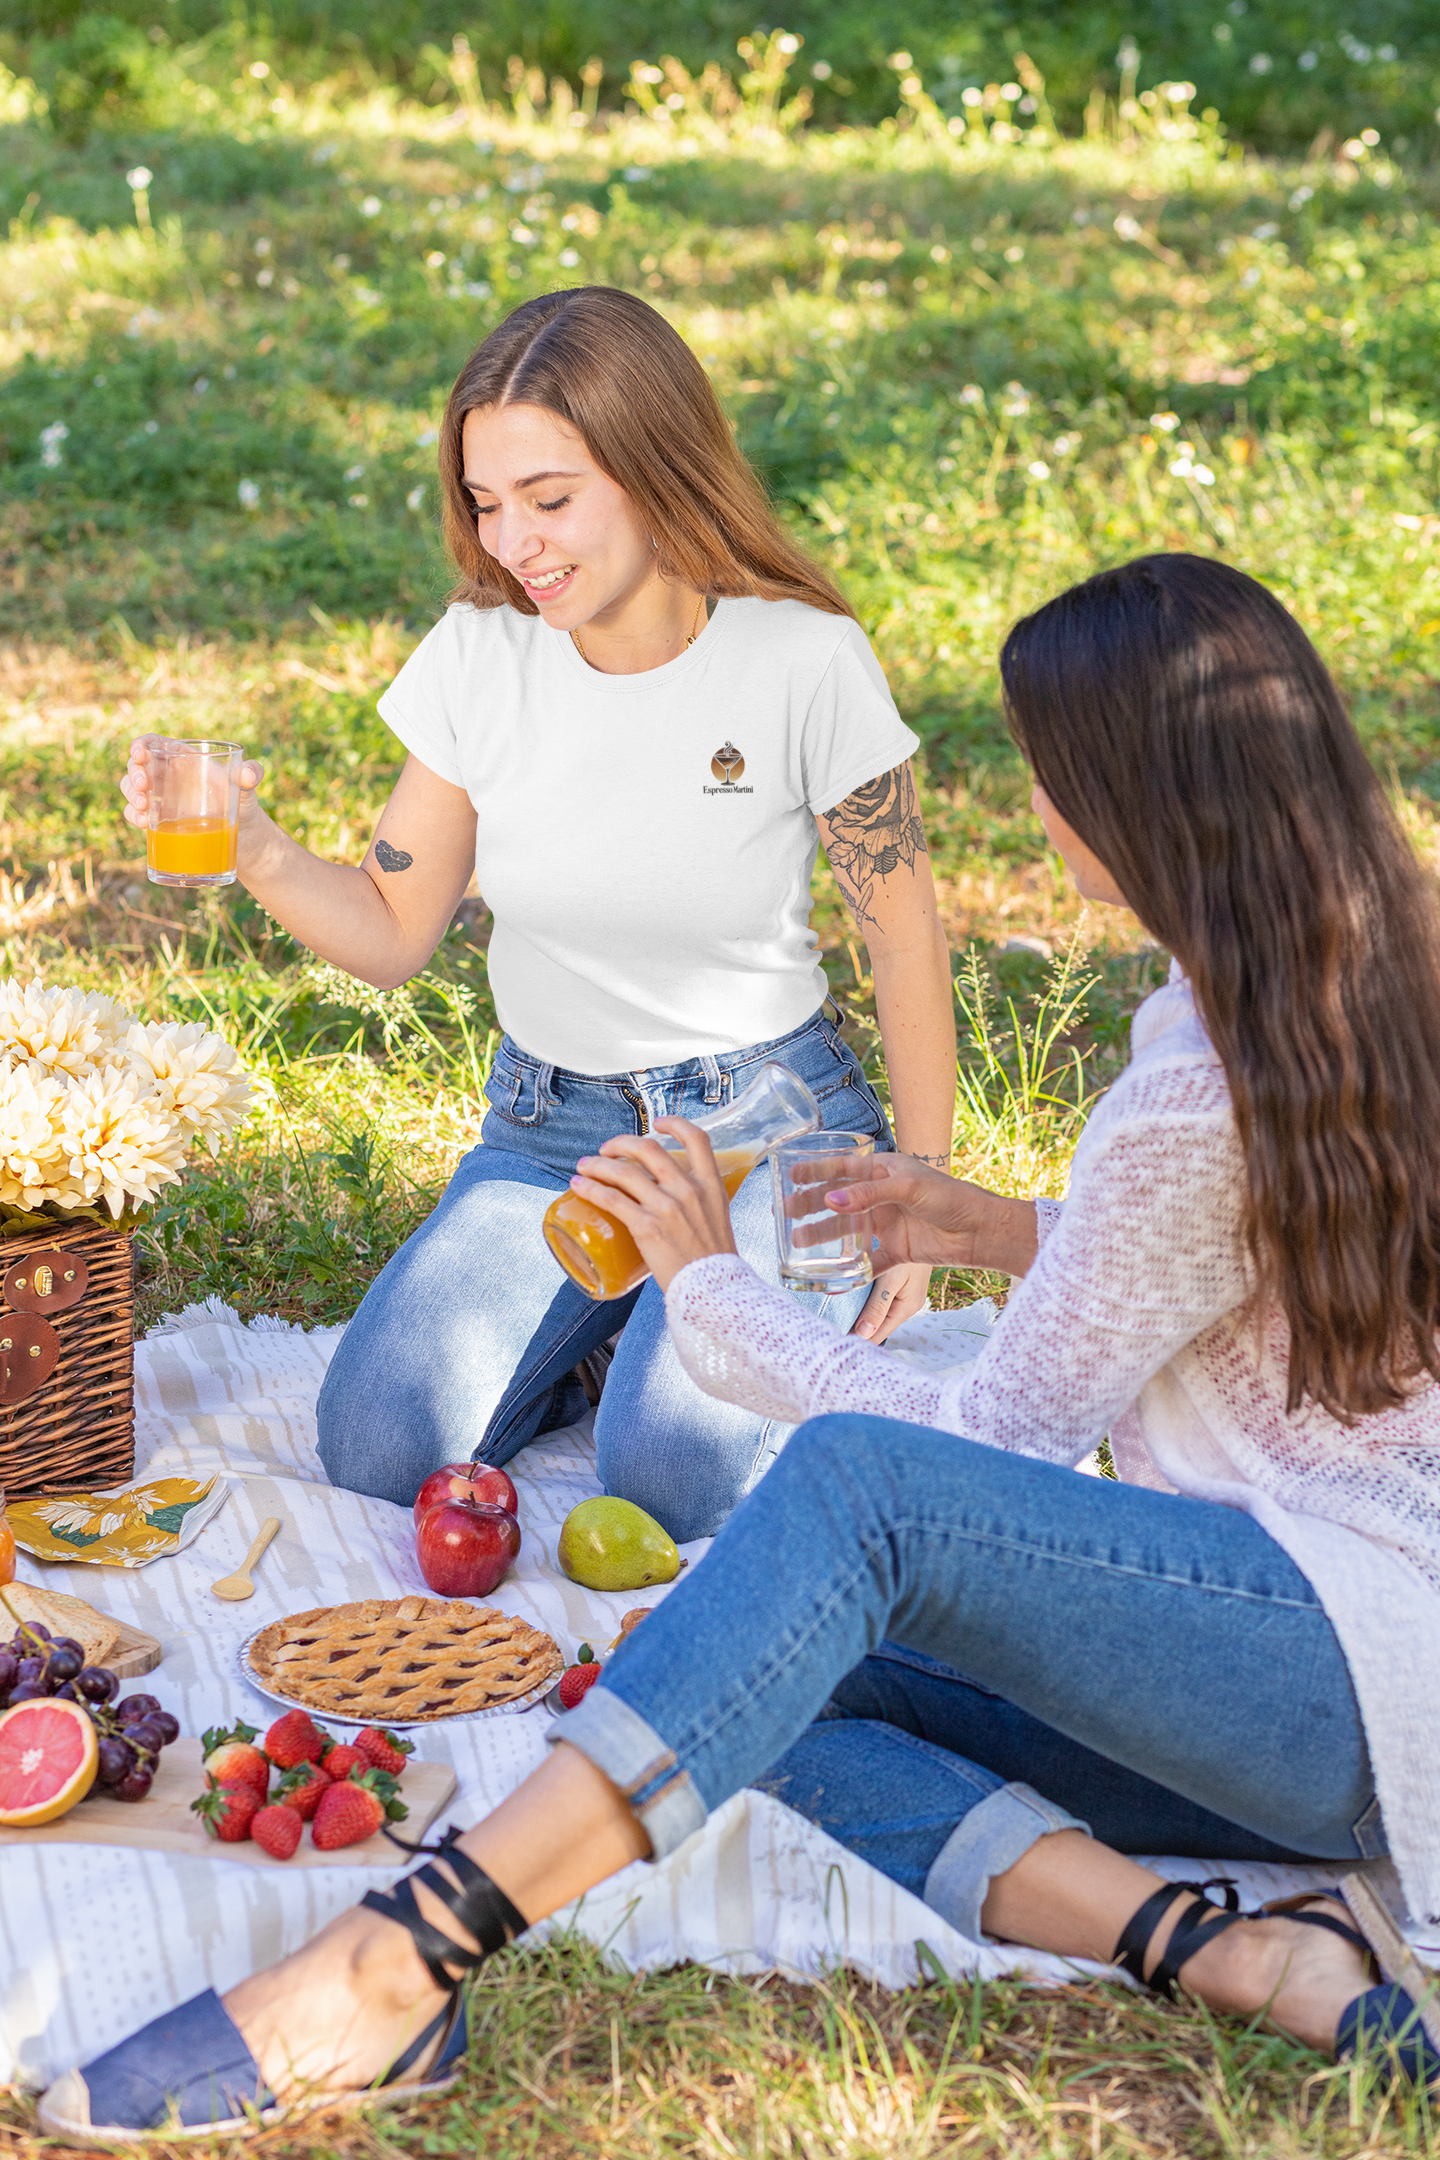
point(32, 1158)
point(196, 1075)
point(63, 1030)
point(120, 1143)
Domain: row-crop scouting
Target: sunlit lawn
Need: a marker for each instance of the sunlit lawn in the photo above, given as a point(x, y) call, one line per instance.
point(973, 369)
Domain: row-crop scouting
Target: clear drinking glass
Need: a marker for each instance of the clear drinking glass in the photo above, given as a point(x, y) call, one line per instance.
point(819, 1250)
point(599, 1252)
point(194, 822)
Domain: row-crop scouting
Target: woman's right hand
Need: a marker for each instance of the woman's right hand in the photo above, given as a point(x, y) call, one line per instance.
point(135, 787)
point(920, 1214)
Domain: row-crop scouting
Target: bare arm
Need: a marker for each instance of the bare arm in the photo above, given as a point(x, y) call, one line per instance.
point(875, 841)
point(379, 921)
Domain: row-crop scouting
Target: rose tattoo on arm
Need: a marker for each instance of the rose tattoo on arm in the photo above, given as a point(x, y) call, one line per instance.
point(872, 833)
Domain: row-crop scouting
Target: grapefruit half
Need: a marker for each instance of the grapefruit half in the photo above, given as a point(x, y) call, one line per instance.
point(48, 1760)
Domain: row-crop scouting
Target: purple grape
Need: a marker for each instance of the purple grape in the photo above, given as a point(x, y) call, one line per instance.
point(144, 1733)
point(96, 1684)
point(135, 1784)
point(9, 1670)
point(68, 1642)
point(66, 1660)
point(166, 1724)
point(136, 1706)
point(28, 1691)
point(116, 1761)
point(33, 1627)
point(32, 1671)
point(66, 1692)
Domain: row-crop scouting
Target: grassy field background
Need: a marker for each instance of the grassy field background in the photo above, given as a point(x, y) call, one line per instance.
point(978, 349)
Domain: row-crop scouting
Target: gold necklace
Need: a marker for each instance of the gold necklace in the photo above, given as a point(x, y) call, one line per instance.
point(694, 633)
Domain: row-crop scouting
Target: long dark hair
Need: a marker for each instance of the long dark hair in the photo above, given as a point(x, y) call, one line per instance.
point(1182, 722)
point(612, 367)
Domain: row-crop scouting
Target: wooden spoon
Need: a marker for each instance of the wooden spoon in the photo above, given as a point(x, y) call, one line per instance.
point(237, 1586)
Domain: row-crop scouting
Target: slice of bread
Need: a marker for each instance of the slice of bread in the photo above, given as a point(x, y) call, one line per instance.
point(96, 1634)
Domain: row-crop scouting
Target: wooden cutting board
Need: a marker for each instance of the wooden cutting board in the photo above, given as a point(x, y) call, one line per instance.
point(162, 1821)
point(134, 1653)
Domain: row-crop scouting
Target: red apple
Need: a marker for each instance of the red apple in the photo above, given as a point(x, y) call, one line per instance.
point(465, 1548)
point(466, 1481)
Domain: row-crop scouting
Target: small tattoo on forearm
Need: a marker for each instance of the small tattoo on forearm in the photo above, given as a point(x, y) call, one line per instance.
point(392, 858)
point(941, 1162)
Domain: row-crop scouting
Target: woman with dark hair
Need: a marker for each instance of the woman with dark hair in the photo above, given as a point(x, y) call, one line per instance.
point(642, 708)
point(995, 1679)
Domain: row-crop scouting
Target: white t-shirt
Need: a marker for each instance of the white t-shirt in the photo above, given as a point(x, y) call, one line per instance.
point(645, 842)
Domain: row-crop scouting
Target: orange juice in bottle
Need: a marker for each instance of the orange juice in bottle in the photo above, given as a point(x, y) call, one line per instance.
point(598, 1252)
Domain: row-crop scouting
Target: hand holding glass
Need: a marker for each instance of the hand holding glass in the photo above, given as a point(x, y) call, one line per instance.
point(819, 1250)
point(598, 1252)
point(193, 824)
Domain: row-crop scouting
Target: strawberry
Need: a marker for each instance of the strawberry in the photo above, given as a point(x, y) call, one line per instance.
point(341, 1759)
point(384, 1750)
point(577, 1678)
point(277, 1830)
point(354, 1809)
point(302, 1789)
point(230, 1759)
point(227, 1811)
point(294, 1738)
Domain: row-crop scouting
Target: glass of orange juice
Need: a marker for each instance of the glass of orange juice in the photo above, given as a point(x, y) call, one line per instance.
point(194, 811)
point(594, 1247)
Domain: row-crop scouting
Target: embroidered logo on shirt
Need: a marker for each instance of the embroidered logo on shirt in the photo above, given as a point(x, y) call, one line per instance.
point(728, 766)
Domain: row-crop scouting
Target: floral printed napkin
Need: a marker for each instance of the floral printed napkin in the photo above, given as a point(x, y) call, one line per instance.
point(121, 1529)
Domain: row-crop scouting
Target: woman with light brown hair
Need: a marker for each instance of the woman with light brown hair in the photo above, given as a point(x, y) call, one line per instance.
point(640, 711)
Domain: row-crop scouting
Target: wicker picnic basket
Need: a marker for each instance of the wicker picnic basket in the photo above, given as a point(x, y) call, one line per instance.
point(67, 1359)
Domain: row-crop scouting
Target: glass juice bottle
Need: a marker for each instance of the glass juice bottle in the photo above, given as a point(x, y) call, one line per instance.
point(599, 1252)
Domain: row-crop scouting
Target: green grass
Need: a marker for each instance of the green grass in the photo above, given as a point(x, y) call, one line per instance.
point(905, 325)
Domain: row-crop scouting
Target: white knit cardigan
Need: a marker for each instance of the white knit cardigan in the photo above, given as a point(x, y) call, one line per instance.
point(1133, 1322)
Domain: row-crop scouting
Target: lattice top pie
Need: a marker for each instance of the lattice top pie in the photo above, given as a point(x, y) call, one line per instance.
point(403, 1659)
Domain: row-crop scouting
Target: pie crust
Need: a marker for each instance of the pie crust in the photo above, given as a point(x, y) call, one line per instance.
point(403, 1660)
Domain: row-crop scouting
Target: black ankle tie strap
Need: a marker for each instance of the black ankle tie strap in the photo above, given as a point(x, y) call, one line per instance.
point(1200, 1922)
point(480, 1906)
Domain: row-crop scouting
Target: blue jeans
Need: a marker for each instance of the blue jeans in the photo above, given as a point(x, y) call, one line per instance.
point(940, 1651)
point(466, 1344)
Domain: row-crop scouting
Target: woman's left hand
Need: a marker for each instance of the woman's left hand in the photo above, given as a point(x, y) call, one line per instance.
point(674, 1206)
point(896, 1294)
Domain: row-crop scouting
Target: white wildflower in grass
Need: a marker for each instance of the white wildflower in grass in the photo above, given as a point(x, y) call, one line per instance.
point(415, 498)
point(1038, 469)
point(118, 1141)
point(249, 495)
point(196, 1075)
point(62, 1031)
point(31, 1159)
point(50, 440)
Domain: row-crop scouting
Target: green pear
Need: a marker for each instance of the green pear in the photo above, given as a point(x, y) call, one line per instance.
point(614, 1545)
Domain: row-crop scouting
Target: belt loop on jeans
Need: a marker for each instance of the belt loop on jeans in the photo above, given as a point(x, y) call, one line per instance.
point(714, 1084)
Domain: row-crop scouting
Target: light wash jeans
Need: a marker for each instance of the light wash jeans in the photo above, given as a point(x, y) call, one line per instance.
point(465, 1345)
point(940, 1651)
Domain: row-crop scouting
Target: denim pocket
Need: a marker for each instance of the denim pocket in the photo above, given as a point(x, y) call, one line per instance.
point(847, 1101)
point(1369, 1833)
point(518, 1089)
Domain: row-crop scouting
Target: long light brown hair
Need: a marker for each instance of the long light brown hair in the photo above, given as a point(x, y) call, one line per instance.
point(615, 370)
point(1183, 724)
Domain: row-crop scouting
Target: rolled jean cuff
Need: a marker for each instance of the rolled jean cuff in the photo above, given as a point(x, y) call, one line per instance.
point(634, 1757)
point(997, 1831)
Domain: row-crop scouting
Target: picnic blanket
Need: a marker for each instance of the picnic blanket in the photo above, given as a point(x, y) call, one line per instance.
point(95, 1940)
